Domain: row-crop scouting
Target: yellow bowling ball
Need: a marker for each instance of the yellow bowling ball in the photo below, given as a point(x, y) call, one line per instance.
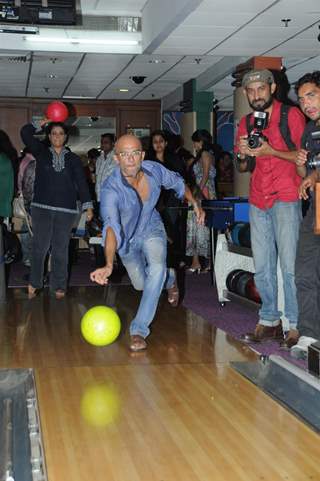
point(100, 326)
point(100, 405)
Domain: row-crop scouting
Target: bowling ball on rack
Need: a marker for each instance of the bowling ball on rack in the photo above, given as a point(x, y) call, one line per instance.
point(231, 279)
point(100, 326)
point(241, 283)
point(244, 236)
point(252, 292)
point(57, 111)
point(235, 230)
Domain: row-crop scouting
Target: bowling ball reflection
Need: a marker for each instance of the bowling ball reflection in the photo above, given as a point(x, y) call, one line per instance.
point(100, 405)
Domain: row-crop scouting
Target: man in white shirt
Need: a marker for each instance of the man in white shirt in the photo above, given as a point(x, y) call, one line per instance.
point(105, 162)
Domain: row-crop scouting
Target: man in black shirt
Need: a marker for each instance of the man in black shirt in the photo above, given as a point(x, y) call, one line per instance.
point(307, 268)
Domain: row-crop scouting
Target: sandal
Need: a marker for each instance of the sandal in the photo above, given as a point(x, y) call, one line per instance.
point(173, 295)
point(205, 270)
point(32, 291)
point(137, 343)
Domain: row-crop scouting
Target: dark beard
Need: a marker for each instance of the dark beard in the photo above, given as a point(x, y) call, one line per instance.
point(263, 107)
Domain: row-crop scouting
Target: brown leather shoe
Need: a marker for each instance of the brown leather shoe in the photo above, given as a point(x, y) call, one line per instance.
point(264, 333)
point(137, 343)
point(291, 339)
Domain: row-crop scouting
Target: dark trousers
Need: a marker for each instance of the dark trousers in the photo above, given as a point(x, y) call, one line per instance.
point(307, 276)
point(175, 224)
point(50, 229)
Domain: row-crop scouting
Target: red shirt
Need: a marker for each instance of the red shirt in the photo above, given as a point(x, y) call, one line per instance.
point(273, 178)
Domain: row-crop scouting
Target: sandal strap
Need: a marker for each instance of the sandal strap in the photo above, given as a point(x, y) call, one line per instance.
point(173, 295)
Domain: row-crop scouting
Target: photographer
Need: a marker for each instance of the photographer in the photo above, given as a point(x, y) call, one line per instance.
point(275, 210)
point(308, 250)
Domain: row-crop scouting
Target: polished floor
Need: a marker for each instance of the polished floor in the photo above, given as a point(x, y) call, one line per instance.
point(176, 412)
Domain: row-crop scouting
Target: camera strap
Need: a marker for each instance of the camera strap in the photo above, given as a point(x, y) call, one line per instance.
point(284, 127)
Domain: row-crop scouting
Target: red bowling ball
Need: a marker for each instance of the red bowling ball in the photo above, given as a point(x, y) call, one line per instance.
point(252, 292)
point(57, 111)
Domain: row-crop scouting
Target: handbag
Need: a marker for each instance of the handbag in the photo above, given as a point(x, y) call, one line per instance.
point(19, 211)
point(18, 207)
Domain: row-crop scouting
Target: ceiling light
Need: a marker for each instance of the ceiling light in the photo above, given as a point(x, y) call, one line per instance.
point(156, 60)
point(77, 41)
point(123, 90)
point(51, 76)
point(77, 97)
point(19, 29)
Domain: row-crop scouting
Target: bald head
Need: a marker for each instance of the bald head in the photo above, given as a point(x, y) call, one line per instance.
point(127, 142)
point(129, 155)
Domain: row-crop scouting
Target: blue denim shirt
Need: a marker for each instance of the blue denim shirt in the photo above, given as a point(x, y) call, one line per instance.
point(122, 209)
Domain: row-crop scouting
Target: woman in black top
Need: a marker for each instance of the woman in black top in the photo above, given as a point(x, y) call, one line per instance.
point(59, 181)
point(168, 204)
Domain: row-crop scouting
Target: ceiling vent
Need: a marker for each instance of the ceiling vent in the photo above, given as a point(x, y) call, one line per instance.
point(38, 12)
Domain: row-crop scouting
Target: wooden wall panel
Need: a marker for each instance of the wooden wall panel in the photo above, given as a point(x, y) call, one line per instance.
point(14, 113)
point(12, 118)
point(138, 118)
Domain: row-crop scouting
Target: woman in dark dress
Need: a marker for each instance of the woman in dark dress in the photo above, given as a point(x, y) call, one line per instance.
point(168, 204)
point(59, 181)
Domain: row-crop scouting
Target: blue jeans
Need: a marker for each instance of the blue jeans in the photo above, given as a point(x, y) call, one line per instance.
point(147, 269)
point(275, 232)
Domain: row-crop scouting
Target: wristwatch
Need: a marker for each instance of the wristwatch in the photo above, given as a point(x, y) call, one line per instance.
point(239, 158)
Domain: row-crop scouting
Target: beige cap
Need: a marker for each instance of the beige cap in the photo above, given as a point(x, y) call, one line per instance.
point(257, 76)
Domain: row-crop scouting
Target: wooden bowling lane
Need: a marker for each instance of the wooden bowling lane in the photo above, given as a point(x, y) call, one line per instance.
point(46, 332)
point(175, 412)
point(173, 422)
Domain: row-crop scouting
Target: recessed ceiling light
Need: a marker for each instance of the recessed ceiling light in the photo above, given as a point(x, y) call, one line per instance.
point(78, 97)
point(157, 60)
point(123, 90)
point(80, 40)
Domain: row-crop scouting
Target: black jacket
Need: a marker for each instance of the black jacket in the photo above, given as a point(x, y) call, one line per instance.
point(57, 190)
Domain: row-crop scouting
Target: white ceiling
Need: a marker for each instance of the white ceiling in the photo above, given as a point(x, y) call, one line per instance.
point(198, 39)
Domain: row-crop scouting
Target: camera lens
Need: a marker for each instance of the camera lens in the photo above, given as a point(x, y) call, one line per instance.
point(253, 141)
point(313, 160)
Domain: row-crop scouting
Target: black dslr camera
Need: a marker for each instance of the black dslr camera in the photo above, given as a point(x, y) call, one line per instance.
point(260, 121)
point(313, 147)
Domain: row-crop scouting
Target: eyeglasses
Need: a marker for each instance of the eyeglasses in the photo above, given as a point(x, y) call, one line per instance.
point(126, 155)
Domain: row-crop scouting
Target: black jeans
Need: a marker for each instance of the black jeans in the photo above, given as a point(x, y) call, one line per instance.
point(50, 229)
point(307, 276)
point(175, 224)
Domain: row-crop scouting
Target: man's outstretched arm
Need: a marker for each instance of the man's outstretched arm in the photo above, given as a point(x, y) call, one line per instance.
point(102, 274)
